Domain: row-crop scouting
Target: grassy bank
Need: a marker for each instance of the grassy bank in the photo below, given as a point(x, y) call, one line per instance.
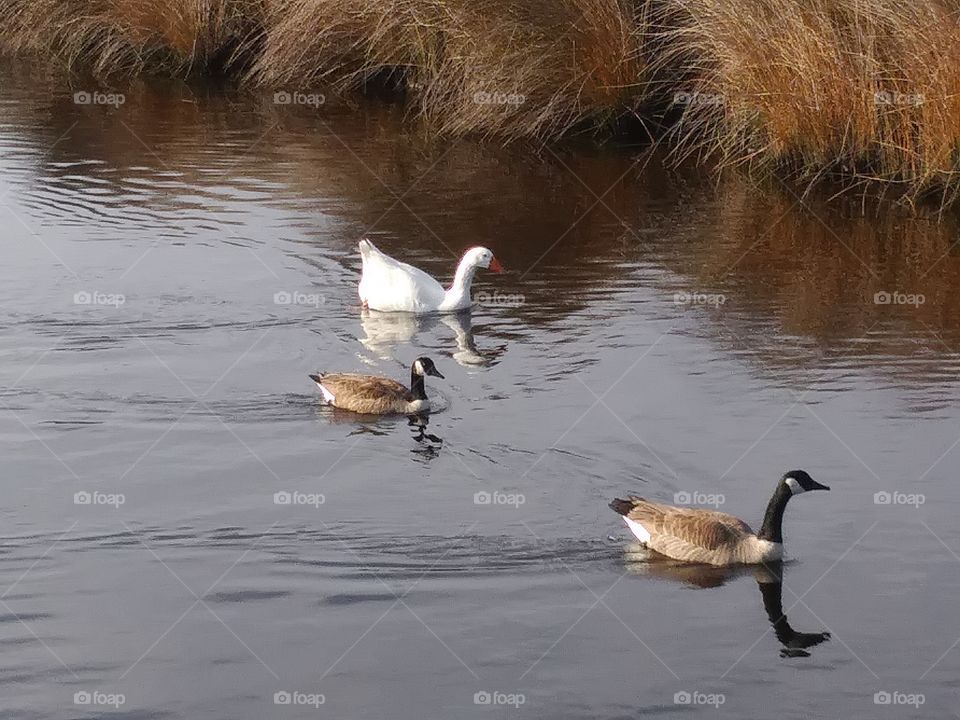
point(865, 92)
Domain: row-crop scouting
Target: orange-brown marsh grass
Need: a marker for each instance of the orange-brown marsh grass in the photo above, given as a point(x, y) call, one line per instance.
point(864, 91)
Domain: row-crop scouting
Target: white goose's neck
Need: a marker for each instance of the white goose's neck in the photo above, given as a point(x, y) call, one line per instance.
point(458, 295)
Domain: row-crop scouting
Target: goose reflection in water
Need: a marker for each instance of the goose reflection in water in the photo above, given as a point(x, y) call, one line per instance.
point(769, 579)
point(383, 332)
point(794, 643)
point(429, 444)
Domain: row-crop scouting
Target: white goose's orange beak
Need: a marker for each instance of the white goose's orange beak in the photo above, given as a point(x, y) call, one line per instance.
point(496, 266)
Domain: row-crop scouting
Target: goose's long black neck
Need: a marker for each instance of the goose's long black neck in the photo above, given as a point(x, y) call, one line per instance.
point(417, 388)
point(773, 519)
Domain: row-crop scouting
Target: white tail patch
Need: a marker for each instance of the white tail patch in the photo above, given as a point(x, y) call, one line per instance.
point(637, 529)
point(327, 395)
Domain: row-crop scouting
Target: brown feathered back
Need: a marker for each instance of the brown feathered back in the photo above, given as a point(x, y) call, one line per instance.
point(368, 394)
point(692, 534)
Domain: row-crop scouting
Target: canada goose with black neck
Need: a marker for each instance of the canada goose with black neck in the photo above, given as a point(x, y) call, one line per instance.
point(707, 536)
point(375, 395)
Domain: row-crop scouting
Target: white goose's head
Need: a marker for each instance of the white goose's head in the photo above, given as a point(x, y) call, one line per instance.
point(481, 257)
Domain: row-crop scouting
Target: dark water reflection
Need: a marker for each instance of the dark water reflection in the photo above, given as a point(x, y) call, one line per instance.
point(769, 580)
point(657, 332)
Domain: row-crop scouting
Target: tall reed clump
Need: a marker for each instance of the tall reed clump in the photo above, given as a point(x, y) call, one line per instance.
point(511, 68)
point(127, 37)
point(864, 90)
point(869, 91)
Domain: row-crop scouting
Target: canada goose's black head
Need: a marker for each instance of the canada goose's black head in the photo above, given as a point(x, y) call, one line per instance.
point(798, 481)
point(424, 366)
point(792, 483)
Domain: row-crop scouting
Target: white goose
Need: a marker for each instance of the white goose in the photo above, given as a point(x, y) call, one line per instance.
point(390, 285)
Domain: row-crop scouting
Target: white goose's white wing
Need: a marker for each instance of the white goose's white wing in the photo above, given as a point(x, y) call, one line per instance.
point(390, 285)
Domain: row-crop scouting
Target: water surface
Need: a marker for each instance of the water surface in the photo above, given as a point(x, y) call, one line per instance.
point(658, 333)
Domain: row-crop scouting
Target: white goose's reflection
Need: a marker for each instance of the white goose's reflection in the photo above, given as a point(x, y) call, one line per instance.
point(383, 332)
point(769, 579)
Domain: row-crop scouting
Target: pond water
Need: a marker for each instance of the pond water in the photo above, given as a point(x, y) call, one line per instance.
point(175, 266)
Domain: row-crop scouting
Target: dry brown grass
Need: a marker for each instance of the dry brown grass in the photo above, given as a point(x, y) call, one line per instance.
point(512, 69)
point(126, 37)
point(789, 86)
point(867, 90)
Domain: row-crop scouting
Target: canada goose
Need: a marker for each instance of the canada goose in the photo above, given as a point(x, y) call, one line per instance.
point(390, 285)
point(707, 536)
point(375, 395)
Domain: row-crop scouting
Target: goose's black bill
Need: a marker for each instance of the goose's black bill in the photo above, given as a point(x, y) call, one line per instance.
point(819, 486)
point(436, 373)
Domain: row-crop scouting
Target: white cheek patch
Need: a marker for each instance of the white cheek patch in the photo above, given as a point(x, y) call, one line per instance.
point(794, 486)
point(418, 367)
point(637, 529)
point(327, 395)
